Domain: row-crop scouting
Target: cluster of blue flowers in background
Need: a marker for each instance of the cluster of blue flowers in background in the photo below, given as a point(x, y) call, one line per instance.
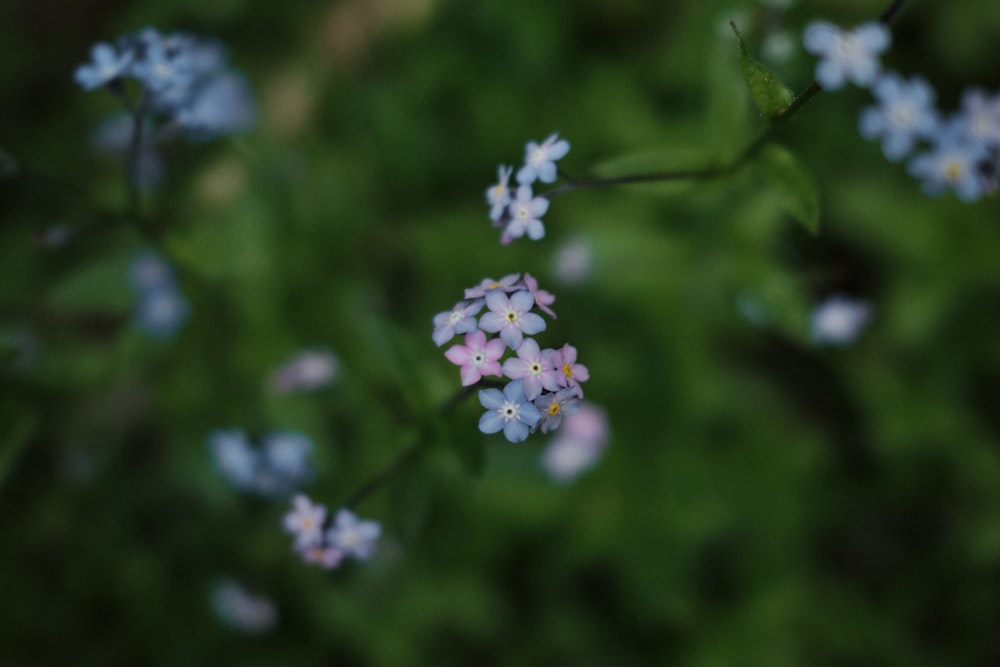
point(326, 539)
point(545, 384)
point(960, 152)
point(172, 84)
point(521, 214)
point(277, 468)
point(160, 307)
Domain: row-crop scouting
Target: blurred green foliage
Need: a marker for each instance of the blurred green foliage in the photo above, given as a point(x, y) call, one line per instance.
point(763, 501)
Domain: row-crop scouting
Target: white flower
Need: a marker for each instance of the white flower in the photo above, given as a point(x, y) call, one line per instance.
point(839, 320)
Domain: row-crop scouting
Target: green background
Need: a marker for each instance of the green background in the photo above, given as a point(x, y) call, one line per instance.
point(763, 501)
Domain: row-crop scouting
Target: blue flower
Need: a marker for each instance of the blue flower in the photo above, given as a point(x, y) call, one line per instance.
point(952, 162)
point(148, 271)
point(525, 216)
point(161, 311)
point(498, 196)
point(511, 317)
point(222, 105)
point(846, 55)
point(509, 410)
point(905, 113)
point(234, 457)
point(107, 65)
point(352, 536)
point(460, 319)
point(981, 117)
point(839, 320)
point(555, 406)
point(166, 72)
point(539, 160)
point(287, 454)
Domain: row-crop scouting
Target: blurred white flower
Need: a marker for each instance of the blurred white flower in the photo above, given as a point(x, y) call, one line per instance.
point(574, 261)
point(839, 320)
point(578, 444)
point(310, 369)
point(241, 610)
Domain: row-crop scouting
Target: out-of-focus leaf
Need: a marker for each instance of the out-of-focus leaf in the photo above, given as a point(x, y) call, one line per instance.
point(793, 185)
point(21, 425)
point(770, 95)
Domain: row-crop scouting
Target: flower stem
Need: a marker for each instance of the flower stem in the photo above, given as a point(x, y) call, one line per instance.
point(714, 171)
point(411, 453)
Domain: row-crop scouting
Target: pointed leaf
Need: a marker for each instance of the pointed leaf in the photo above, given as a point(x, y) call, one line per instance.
point(770, 95)
point(792, 184)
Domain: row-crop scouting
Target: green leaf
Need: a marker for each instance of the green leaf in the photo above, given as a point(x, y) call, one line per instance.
point(20, 429)
point(794, 187)
point(770, 95)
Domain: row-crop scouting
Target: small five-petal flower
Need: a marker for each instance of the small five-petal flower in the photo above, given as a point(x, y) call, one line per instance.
point(478, 357)
point(511, 317)
point(509, 410)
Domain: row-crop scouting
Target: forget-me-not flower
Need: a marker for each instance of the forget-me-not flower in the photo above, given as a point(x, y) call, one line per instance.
point(509, 410)
point(478, 357)
point(509, 283)
point(352, 536)
point(458, 320)
point(305, 522)
point(980, 115)
point(539, 160)
point(511, 317)
point(106, 66)
point(555, 406)
point(571, 374)
point(498, 196)
point(839, 320)
point(905, 114)
point(534, 368)
point(525, 215)
point(952, 162)
point(846, 55)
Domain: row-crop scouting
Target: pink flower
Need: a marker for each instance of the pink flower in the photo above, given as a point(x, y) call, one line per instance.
point(477, 357)
point(543, 299)
point(571, 374)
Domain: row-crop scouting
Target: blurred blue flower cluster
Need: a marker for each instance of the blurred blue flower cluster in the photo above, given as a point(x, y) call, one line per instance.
point(277, 468)
point(326, 539)
point(521, 214)
point(181, 80)
point(958, 152)
point(160, 307)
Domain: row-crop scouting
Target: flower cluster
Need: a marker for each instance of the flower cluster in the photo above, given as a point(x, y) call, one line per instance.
point(277, 468)
point(578, 445)
point(960, 152)
point(521, 214)
point(160, 306)
point(183, 80)
point(325, 539)
point(544, 384)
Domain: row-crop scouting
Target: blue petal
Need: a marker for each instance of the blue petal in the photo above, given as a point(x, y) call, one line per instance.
point(491, 422)
point(491, 399)
point(514, 391)
point(515, 431)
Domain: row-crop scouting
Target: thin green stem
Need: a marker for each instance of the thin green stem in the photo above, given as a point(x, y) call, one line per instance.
point(411, 453)
point(745, 155)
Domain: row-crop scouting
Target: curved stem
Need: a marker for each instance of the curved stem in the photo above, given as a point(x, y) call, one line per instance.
point(744, 156)
point(409, 454)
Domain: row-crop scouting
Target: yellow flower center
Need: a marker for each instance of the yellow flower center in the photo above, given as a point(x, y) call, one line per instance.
point(567, 370)
point(953, 170)
point(554, 409)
